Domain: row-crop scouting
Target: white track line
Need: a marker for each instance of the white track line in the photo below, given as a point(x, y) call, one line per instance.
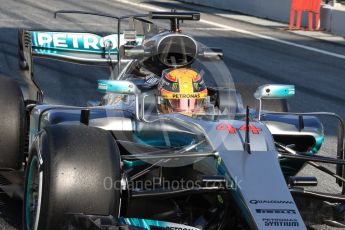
point(230, 28)
point(205, 29)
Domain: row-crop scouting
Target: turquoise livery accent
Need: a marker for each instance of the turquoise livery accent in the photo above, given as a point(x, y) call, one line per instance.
point(284, 91)
point(130, 164)
point(318, 143)
point(57, 42)
point(274, 91)
point(33, 131)
point(153, 224)
point(115, 86)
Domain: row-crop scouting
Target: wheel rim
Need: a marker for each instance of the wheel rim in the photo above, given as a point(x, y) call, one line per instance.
point(33, 195)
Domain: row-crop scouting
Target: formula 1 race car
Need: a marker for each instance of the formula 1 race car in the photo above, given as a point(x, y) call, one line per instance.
point(173, 144)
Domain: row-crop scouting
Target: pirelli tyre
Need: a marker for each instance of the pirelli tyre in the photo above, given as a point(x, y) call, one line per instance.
point(12, 122)
point(246, 91)
point(66, 174)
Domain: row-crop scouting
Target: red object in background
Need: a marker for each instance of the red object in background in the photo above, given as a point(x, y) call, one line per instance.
point(310, 6)
point(315, 8)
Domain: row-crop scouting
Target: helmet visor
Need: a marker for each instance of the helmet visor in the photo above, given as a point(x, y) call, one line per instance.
point(186, 105)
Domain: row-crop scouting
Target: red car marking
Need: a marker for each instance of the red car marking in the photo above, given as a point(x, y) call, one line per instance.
point(251, 128)
point(227, 127)
point(232, 130)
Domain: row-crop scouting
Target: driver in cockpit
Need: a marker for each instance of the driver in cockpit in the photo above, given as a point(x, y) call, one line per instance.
point(182, 91)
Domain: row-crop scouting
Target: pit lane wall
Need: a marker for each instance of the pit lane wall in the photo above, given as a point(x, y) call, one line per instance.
point(332, 19)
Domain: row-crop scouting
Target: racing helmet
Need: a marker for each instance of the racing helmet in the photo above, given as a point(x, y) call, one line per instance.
point(183, 91)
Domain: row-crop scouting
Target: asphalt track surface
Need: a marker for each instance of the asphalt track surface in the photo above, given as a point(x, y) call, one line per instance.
point(319, 78)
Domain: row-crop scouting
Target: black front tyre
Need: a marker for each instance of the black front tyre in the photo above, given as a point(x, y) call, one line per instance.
point(71, 170)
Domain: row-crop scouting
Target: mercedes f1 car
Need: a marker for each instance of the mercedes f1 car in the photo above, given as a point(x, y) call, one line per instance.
point(173, 144)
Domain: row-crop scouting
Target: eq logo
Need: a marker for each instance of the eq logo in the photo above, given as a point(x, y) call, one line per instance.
point(232, 130)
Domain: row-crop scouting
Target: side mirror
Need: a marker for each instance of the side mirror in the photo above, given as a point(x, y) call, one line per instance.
point(121, 87)
point(116, 86)
point(273, 91)
point(212, 53)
